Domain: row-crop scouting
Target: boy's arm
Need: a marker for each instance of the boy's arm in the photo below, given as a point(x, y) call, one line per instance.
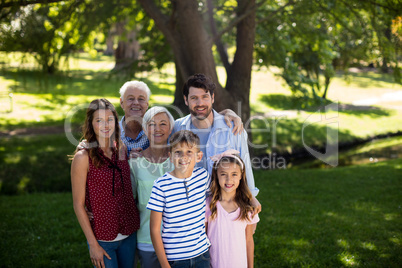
point(250, 245)
point(155, 228)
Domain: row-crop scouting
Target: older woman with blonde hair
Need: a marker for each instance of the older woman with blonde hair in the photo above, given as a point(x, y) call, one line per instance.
point(145, 169)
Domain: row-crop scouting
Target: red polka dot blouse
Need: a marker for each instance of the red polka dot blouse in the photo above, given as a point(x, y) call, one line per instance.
point(110, 198)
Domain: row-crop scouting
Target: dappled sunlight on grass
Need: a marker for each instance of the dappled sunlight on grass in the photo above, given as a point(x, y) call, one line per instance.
point(349, 215)
point(43, 109)
point(367, 80)
point(361, 86)
point(287, 134)
point(42, 159)
point(348, 259)
point(343, 243)
point(22, 185)
point(368, 246)
point(397, 241)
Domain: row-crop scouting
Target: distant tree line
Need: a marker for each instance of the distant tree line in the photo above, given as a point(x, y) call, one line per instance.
point(307, 39)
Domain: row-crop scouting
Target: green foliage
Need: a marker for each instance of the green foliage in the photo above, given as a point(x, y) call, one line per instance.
point(310, 40)
point(50, 31)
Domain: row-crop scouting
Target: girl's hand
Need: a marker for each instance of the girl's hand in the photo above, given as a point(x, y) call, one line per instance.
point(96, 253)
point(256, 206)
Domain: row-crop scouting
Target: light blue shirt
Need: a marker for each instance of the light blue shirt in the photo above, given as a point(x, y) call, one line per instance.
point(221, 138)
point(203, 134)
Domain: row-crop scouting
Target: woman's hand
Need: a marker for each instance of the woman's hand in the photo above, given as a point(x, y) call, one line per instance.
point(96, 253)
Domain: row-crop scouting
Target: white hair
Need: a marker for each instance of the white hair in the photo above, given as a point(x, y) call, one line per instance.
point(135, 84)
point(154, 111)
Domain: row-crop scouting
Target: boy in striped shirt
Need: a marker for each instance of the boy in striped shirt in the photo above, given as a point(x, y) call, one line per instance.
point(178, 199)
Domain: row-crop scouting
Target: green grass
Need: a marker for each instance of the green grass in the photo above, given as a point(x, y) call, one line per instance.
point(41, 230)
point(42, 100)
point(35, 164)
point(340, 217)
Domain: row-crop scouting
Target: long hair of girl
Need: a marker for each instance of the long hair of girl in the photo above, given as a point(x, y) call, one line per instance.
point(89, 132)
point(243, 194)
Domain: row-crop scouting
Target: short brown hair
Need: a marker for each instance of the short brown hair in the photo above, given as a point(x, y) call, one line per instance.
point(187, 136)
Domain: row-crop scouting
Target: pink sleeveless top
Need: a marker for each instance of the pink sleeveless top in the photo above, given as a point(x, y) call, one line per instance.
point(110, 198)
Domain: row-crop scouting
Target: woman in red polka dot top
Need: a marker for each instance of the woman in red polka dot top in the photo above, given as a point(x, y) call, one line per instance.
point(100, 178)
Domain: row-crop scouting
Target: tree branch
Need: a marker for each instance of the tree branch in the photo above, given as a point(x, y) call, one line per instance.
point(275, 12)
point(339, 20)
point(237, 20)
point(23, 3)
point(219, 46)
point(161, 20)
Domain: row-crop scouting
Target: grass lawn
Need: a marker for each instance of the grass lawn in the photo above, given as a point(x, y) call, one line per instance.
point(279, 121)
point(340, 217)
point(335, 217)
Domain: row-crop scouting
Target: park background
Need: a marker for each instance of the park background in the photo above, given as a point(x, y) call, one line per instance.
point(285, 61)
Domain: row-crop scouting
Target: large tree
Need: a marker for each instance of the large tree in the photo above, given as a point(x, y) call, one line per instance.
point(191, 33)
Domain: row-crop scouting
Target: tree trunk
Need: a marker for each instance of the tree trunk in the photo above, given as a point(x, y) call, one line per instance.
point(327, 81)
point(109, 43)
point(192, 49)
point(238, 81)
point(127, 48)
point(178, 95)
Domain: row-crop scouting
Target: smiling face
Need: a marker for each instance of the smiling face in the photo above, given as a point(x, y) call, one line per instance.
point(103, 123)
point(199, 102)
point(158, 129)
point(184, 157)
point(134, 103)
point(229, 176)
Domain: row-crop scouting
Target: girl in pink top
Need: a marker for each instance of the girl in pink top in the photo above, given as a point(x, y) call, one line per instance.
point(229, 221)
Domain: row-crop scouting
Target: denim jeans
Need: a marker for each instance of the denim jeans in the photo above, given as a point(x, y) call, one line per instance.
point(122, 252)
point(202, 261)
point(148, 259)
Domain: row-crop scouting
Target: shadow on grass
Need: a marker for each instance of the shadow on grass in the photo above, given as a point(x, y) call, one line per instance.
point(74, 82)
point(287, 136)
point(285, 102)
point(35, 164)
point(366, 79)
point(340, 217)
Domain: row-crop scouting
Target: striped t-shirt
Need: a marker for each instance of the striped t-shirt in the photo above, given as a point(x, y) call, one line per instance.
point(182, 204)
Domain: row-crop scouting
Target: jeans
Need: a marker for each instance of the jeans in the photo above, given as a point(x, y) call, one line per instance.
point(148, 259)
point(201, 261)
point(122, 252)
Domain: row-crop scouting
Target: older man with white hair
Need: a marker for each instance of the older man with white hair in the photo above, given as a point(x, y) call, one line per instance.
point(134, 99)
